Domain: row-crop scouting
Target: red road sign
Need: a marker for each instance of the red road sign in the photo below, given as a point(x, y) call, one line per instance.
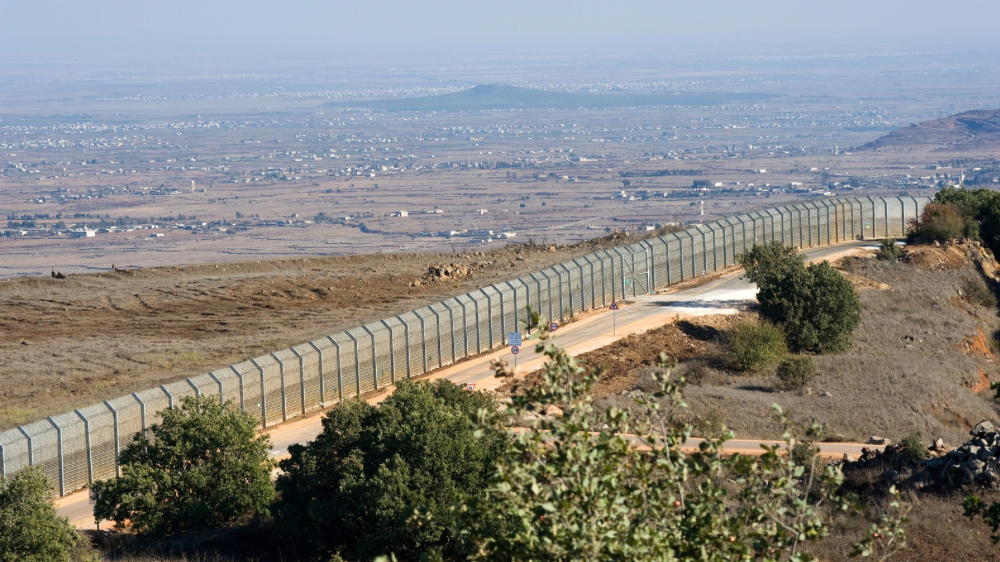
point(614, 305)
point(553, 326)
point(515, 350)
point(470, 386)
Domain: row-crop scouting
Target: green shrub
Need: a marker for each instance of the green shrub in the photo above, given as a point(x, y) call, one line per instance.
point(889, 251)
point(938, 221)
point(30, 530)
point(752, 346)
point(914, 450)
point(766, 260)
point(796, 371)
point(816, 306)
point(204, 468)
point(355, 488)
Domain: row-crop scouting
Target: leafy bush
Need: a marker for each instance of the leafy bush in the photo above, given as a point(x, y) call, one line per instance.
point(766, 260)
point(597, 497)
point(355, 488)
point(815, 306)
point(938, 221)
point(914, 450)
point(751, 346)
point(796, 371)
point(204, 468)
point(30, 530)
point(889, 251)
point(977, 292)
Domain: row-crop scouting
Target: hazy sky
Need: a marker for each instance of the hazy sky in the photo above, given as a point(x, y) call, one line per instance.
point(99, 29)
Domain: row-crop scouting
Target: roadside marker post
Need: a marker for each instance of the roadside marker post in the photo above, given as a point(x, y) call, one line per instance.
point(614, 322)
point(552, 328)
point(515, 350)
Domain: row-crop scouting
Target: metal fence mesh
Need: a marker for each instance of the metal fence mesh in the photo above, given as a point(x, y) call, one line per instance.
point(319, 373)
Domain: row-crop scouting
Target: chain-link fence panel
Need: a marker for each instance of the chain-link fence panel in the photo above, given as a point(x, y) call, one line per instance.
point(295, 398)
point(269, 375)
point(252, 391)
point(400, 336)
point(44, 449)
point(155, 400)
point(574, 287)
point(101, 460)
point(546, 308)
point(129, 413)
point(428, 345)
point(893, 217)
point(381, 353)
point(344, 382)
point(603, 264)
point(588, 291)
point(477, 306)
point(73, 448)
point(458, 322)
point(227, 384)
point(14, 452)
point(207, 386)
point(506, 297)
point(449, 340)
point(365, 359)
point(493, 314)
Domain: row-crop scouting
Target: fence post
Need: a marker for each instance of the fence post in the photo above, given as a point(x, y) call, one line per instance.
point(357, 363)
point(437, 317)
point(239, 375)
point(62, 462)
point(569, 286)
point(479, 322)
point(170, 397)
point(302, 378)
point(322, 377)
point(451, 313)
point(31, 445)
point(694, 261)
point(514, 291)
point(263, 393)
point(3, 462)
point(503, 317)
point(142, 411)
point(423, 339)
point(197, 391)
point(90, 451)
point(118, 450)
point(621, 258)
point(538, 284)
point(218, 381)
point(281, 375)
point(392, 351)
point(340, 378)
point(406, 338)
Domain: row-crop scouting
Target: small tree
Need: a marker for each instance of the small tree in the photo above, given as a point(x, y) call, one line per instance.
point(796, 371)
point(938, 221)
point(30, 530)
point(889, 250)
point(355, 488)
point(576, 488)
point(752, 346)
point(204, 468)
point(815, 306)
point(767, 260)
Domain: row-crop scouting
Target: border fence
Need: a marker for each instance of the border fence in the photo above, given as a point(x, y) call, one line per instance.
point(76, 448)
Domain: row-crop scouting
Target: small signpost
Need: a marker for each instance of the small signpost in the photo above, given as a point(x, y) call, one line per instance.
point(614, 323)
point(515, 350)
point(514, 338)
point(552, 328)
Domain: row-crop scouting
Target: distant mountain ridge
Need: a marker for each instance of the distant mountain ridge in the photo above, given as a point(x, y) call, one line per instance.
point(504, 97)
point(977, 129)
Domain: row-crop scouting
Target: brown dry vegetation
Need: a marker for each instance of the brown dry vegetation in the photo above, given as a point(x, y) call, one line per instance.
point(71, 342)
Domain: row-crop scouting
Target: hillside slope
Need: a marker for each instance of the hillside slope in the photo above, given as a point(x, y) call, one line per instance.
point(979, 129)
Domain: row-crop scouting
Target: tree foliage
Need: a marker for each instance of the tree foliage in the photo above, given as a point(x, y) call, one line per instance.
point(763, 261)
point(205, 467)
point(938, 221)
point(30, 530)
point(796, 371)
point(815, 306)
point(577, 487)
point(751, 345)
point(355, 488)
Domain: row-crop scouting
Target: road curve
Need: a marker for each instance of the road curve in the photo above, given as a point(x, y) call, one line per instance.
point(592, 330)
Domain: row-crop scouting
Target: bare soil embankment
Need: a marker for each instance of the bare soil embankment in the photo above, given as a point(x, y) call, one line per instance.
point(71, 342)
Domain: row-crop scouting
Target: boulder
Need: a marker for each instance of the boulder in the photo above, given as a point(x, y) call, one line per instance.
point(982, 428)
point(875, 440)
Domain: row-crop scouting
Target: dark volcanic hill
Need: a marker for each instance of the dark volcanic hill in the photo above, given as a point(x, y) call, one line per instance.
point(501, 97)
point(972, 130)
